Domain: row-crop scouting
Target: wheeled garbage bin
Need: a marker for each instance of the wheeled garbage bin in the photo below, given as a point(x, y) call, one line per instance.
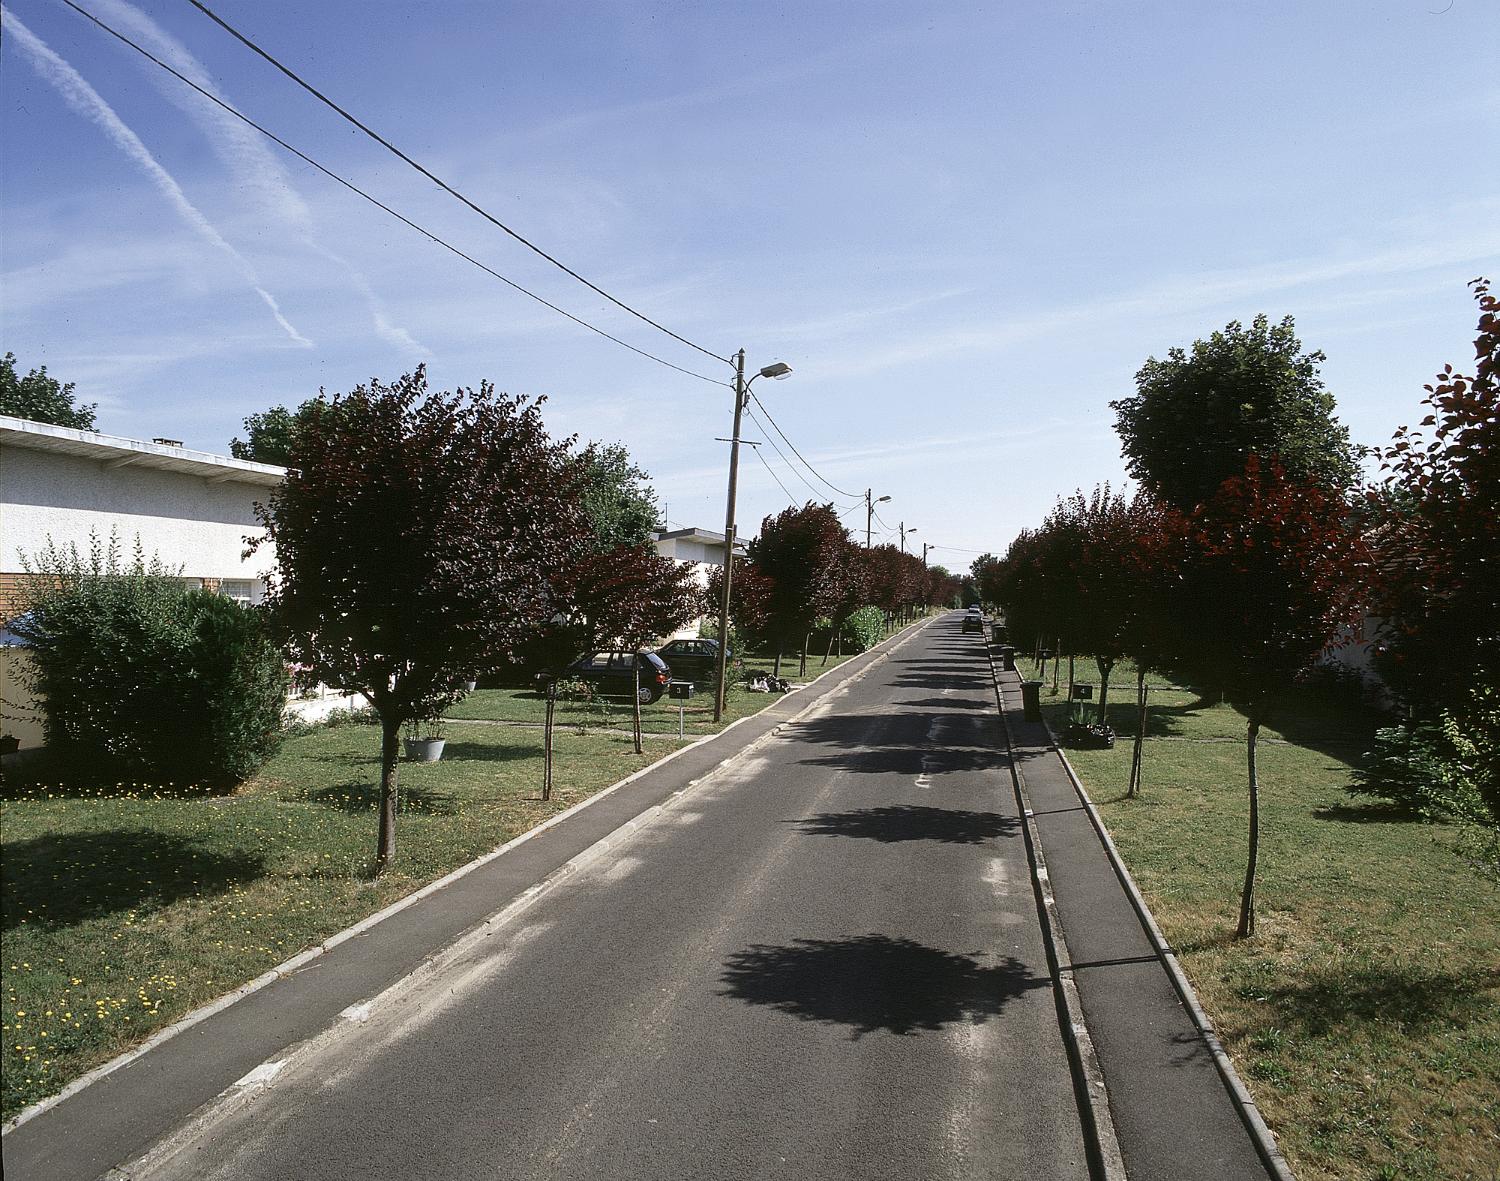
point(1031, 699)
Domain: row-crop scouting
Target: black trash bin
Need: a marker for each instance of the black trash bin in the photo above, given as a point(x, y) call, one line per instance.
point(1031, 698)
point(1007, 658)
point(997, 633)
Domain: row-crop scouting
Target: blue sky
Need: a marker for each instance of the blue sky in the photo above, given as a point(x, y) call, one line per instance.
point(964, 226)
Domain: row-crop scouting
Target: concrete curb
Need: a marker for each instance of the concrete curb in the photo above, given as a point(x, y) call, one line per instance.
point(306, 956)
point(1244, 1102)
point(1105, 1159)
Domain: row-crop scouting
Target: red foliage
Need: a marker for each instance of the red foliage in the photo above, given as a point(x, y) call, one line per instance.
point(633, 595)
point(1439, 534)
point(1272, 568)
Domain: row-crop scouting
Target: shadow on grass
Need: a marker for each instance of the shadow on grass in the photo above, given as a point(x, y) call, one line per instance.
point(357, 798)
point(43, 773)
point(488, 752)
point(911, 822)
point(1411, 997)
point(60, 880)
point(874, 982)
point(1378, 812)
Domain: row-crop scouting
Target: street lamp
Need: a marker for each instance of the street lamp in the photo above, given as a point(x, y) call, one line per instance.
point(904, 532)
point(776, 371)
point(870, 512)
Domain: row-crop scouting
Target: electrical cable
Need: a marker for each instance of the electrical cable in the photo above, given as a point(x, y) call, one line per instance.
point(818, 494)
point(799, 454)
point(790, 499)
point(442, 184)
point(353, 188)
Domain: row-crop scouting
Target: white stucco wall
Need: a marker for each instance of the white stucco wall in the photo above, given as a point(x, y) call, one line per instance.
point(185, 520)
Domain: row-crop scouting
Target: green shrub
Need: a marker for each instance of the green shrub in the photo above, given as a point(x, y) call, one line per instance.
point(141, 677)
point(864, 629)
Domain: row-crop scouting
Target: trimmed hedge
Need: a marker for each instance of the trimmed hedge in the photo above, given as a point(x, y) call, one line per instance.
point(141, 677)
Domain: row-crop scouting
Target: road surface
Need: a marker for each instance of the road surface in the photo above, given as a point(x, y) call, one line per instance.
point(823, 961)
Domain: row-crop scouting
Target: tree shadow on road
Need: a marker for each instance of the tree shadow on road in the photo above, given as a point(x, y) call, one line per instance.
point(912, 822)
point(874, 982)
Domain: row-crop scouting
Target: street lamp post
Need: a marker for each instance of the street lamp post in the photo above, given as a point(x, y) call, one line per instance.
point(904, 532)
point(778, 369)
point(925, 548)
point(870, 513)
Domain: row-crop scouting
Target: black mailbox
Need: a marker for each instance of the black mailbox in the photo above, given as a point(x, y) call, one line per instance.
point(1083, 693)
point(680, 689)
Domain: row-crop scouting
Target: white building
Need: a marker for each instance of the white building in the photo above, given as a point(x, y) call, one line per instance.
point(699, 548)
point(193, 510)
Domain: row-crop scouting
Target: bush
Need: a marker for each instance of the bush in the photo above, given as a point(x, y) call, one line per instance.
point(141, 677)
point(864, 629)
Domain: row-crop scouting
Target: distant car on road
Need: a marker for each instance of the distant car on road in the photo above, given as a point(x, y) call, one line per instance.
point(613, 671)
point(692, 660)
point(974, 623)
point(975, 609)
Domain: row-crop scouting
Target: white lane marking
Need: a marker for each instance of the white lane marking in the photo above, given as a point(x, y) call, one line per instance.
point(623, 868)
point(996, 877)
point(261, 1075)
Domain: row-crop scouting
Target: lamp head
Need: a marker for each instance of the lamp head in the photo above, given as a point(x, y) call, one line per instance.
point(777, 370)
point(881, 499)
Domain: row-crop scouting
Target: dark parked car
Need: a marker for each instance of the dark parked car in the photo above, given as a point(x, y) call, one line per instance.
point(613, 671)
point(692, 660)
point(974, 623)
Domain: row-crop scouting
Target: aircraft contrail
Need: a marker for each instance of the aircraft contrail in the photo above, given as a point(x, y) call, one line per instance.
point(87, 101)
point(258, 171)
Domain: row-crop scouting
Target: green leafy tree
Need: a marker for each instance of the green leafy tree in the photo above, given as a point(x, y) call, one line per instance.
point(617, 498)
point(1197, 417)
point(272, 434)
point(419, 539)
point(42, 398)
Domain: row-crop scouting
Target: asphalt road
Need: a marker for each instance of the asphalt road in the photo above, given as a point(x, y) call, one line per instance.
point(824, 961)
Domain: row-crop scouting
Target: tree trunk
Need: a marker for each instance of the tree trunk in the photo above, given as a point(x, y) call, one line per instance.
point(547, 741)
point(776, 666)
point(1105, 668)
point(390, 753)
point(1140, 735)
point(1071, 659)
point(831, 637)
point(1056, 660)
point(635, 702)
point(1247, 898)
point(802, 667)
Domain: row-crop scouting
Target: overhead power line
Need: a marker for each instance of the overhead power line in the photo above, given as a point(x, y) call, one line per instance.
point(353, 188)
point(818, 493)
point(790, 499)
point(442, 184)
point(793, 446)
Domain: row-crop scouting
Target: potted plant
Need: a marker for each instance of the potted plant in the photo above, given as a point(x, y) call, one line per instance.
point(424, 740)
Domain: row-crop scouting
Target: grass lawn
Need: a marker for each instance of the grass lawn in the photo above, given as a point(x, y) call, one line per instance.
point(660, 718)
point(1365, 1013)
point(125, 908)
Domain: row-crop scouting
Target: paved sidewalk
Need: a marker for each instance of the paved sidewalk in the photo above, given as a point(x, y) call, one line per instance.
point(1174, 1117)
point(120, 1116)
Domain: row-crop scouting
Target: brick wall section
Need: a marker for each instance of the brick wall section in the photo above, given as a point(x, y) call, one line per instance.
point(10, 597)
